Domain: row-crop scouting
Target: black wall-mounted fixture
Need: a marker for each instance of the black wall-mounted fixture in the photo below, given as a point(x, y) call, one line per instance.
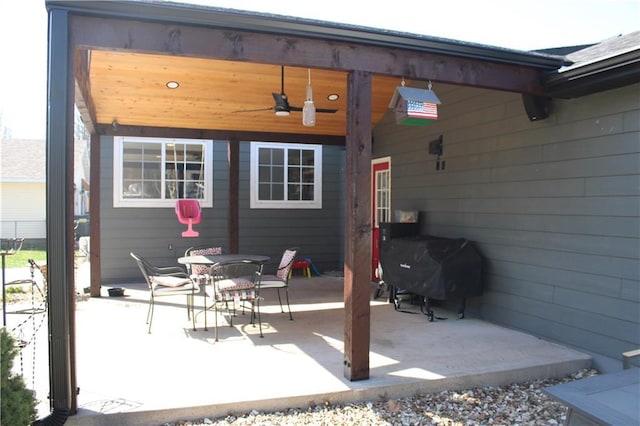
point(537, 107)
point(436, 148)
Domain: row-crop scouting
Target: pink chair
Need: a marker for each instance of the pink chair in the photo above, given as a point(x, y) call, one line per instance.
point(189, 213)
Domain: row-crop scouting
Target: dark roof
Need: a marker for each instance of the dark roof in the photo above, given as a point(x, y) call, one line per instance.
point(612, 63)
point(162, 11)
point(606, 48)
point(563, 50)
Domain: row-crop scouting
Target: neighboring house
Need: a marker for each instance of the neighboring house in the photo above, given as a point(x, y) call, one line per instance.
point(23, 189)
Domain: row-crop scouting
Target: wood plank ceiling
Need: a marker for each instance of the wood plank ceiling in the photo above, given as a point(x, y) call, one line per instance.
point(131, 89)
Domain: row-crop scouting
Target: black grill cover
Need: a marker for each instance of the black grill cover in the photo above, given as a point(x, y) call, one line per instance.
point(434, 267)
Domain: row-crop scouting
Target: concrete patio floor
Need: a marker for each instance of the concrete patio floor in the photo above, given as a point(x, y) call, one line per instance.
point(129, 377)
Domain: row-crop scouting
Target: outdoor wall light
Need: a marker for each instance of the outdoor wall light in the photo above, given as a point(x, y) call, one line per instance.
point(436, 148)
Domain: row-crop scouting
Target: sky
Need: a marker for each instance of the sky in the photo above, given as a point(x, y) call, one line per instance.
point(512, 24)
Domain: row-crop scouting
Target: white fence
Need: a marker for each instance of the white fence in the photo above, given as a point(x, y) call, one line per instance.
point(23, 229)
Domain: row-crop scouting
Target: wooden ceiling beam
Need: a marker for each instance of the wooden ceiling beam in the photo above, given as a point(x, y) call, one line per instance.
point(83, 100)
point(217, 43)
point(168, 132)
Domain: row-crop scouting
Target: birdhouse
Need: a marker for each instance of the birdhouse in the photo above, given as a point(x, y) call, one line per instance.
point(413, 106)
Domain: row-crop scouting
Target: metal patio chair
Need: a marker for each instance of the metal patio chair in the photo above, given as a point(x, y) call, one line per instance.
point(281, 278)
point(233, 284)
point(167, 281)
point(200, 273)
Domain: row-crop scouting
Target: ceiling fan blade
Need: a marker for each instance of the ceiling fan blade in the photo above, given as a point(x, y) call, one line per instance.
point(254, 110)
point(319, 110)
point(326, 111)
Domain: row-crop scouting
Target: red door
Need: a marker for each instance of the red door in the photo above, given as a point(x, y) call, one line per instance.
point(381, 205)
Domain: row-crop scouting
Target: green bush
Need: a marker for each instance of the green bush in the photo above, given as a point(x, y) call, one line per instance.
point(18, 404)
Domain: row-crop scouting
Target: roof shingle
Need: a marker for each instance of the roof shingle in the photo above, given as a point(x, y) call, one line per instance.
point(22, 160)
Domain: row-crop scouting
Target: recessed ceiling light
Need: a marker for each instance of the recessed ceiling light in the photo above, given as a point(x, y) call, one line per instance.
point(333, 96)
point(173, 84)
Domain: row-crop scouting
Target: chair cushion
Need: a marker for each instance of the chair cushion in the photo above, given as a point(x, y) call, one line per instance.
point(209, 251)
point(200, 280)
point(227, 296)
point(234, 284)
point(188, 289)
point(169, 281)
point(233, 289)
point(271, 281)
point(287, 259)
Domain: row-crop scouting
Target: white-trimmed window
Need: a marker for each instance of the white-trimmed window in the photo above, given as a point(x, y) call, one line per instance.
point(286, 176)
point(153, 172)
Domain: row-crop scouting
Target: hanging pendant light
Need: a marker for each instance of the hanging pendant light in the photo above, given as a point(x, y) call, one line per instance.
point(309, 108)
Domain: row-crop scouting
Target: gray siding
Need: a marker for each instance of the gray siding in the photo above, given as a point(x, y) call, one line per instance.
point(552, 205)
point(315, 231)
point(151, 231)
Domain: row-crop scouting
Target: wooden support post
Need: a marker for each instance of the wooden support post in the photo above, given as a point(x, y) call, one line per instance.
point(357, 274)
point(233, 221)
point(94, 218)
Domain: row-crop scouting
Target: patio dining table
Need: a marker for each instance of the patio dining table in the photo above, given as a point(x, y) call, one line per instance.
point(221, 258)
point(215, 259)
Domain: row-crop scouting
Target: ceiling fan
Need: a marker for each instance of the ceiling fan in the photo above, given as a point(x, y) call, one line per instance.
point(281, 106)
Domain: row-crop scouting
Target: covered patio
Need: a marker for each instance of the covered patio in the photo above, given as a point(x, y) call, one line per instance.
point(129, 377)
point(339, 343)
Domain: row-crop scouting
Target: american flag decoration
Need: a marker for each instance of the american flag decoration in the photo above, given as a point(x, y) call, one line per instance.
point(420, 109)
point(413, 106)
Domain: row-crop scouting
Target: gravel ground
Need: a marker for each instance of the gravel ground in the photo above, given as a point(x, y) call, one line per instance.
point(516, 404)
